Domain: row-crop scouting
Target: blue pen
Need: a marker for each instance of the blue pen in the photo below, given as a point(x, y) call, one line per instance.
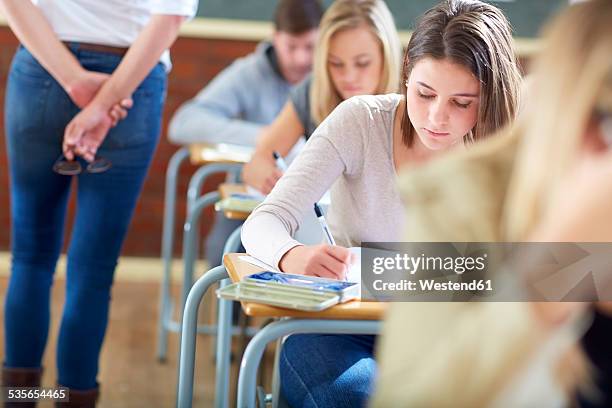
point(321, 218)
point(280, 163)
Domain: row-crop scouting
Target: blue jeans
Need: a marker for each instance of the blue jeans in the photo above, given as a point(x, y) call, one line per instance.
point(37, 111)
point(323, 370)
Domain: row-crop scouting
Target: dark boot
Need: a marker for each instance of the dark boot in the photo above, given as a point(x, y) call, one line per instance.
point(80, 399)
point(21, 377)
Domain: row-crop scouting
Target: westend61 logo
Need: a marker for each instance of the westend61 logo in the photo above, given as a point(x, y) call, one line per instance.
point(412, 264)
point(486, 271)
point(394, 270)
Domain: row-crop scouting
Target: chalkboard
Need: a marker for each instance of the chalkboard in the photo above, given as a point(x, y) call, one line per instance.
point(526, 16)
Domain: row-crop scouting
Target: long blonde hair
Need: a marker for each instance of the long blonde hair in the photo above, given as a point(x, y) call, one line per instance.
point(465, 354)
point(572, 77)
point(346, 14)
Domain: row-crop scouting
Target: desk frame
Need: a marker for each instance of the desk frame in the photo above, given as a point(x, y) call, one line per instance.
point(195, 205)
point(255, 349)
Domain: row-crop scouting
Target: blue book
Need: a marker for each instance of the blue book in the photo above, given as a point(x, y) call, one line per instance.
point(343, 289)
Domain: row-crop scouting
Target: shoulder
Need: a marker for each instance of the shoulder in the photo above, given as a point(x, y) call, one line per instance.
point(368, 107)
point(299, 96)
point(302, 90)
point(256, 61)
point(372, 103)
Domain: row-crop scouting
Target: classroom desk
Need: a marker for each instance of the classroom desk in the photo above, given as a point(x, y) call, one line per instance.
point(355, 310)
point(219, 153)
point(227, 189)
point(221, 158)
point(354, 317)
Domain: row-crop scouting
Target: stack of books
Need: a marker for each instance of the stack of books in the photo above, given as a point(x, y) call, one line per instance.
point(299, 292)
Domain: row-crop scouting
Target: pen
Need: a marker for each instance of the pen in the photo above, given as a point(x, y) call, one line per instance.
point(321, 218)
point(280, 163)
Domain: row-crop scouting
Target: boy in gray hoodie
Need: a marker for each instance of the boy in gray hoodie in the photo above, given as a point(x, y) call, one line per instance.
point(248, 95)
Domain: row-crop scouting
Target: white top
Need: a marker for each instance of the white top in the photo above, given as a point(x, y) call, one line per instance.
point(109, 22)
point(351, 152)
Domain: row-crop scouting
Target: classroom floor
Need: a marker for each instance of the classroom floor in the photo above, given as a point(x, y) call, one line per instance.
point(130, 375)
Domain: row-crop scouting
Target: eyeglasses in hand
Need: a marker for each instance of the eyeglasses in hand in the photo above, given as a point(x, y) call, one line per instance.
point(72, 168)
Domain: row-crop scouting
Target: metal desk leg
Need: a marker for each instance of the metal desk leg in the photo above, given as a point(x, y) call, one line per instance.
point(165, 306)
point(276, 373)
point(190, 234)
point(224, 336)
point(199, 177)
point(197, 181)
point(247, 378)
point(234, 176)
point(188, 334)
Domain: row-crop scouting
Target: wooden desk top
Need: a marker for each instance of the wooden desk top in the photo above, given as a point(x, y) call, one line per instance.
point(225, 190)
point(202, 153)
point(354, 310)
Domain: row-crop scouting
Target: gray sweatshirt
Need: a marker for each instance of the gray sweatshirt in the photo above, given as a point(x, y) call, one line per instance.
point(236, 104)
point(351, 152)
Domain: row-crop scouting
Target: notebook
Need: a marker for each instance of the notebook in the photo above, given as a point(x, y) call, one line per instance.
point(301, 292)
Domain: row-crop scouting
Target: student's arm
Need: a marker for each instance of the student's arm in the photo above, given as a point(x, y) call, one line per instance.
point(35, 33)
point(335, 148)
point(267, 233)
point(213, 116)
point(87, 130)
point(282, 134)
point(261, 172)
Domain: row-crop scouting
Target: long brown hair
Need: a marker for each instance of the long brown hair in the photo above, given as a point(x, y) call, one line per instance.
point(297, 16)
point(477, 36)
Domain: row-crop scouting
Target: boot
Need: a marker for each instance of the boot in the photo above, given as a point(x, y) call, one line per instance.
point(80, 399)
point(20, 377)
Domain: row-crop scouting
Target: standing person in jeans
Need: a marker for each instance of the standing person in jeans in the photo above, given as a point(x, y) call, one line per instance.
point(79, 64)
point(240, 102)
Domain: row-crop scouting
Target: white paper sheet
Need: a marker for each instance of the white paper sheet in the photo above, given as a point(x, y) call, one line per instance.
point(354, 273)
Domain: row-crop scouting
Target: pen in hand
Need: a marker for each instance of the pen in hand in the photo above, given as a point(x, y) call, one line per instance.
point(321, 218)
point(280, 162)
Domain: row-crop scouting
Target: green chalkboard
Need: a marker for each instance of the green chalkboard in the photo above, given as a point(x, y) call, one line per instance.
point(526, 16)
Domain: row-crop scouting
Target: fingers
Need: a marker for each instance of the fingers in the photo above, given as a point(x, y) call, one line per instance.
point(341, 254)
point(339, 260)
point(276, 174)
point(78, 142)
point(335, 267)
point(127, 103)
point(116, 114)
point(317, 260)
point(119, 111)
point(271, 180)
point(324, 272)
point(72, 136)
point(268, 185)
point(266, 188)
point(86, 152)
